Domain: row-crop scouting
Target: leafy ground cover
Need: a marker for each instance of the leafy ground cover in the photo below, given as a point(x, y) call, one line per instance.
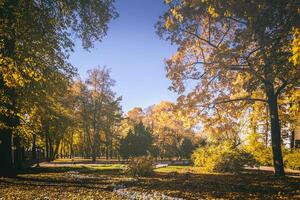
point(107, 181)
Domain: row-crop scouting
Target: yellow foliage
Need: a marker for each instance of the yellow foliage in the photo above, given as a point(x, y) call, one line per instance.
point(296, 47)
point(168, 23)
point(176, 14)
point(211, 10)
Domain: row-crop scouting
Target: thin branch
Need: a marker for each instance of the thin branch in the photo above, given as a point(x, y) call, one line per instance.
point(209, 28)
point(237, 20)
point(200, 38)
point(223, 37)
point(240, 99)
point(279, 90)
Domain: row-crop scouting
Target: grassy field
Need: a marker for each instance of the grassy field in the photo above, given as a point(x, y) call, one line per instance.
point(107, 181)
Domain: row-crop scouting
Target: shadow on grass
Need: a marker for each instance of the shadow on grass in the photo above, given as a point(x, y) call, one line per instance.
point(249, 184)
point(86, 177)
point(80, 169)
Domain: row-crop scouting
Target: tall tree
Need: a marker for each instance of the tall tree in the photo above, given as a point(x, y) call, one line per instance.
point(100, 86)
point(234, 52)
point(35, 38)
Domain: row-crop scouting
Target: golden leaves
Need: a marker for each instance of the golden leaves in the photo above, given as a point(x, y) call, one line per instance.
point(177, 15)
point(212, 11)
point(295, 58)
point(17, 74)
point(11, 75)
point(168, 23)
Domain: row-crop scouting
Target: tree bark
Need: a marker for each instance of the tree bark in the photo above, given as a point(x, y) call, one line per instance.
point(33, 150)
point(17, 153)
point(292, 139)
point(275, 133)
point(6, 164)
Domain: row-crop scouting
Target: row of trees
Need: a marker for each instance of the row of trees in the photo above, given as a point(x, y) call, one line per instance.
point(78, 119)
point(36, 38)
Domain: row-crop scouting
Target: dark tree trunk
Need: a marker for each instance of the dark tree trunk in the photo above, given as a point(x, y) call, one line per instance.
point(93, 155)
point(275, 133)
point(267, 127)
point(106, 152)
point(33, 151)
point(292, 139)
point(48, 146)
point(50, 149)
point(6, 165)
point(17, 153)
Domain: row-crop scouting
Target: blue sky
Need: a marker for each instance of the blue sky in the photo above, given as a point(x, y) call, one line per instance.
point(134, 53)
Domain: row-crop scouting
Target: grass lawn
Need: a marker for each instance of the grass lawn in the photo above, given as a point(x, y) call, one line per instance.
point(102, 181)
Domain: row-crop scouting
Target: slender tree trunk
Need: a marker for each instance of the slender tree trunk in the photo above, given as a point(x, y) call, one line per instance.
point(46, 133)
point(275, 133)
point(292, 139)
point(267, 126)
point(93, 154)
point(106, 152)
point(33, 150)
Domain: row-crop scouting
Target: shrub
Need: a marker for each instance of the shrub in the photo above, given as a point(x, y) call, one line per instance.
point(140, 166)
point(262, 154)
point(222, 158)
point(292, 160)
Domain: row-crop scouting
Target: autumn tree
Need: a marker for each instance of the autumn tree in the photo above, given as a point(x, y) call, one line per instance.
point(234, 53)
point(98, 113)
point(172, 128)
point(36, 37)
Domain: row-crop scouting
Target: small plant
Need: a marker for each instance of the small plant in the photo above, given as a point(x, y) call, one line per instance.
point(140, 166)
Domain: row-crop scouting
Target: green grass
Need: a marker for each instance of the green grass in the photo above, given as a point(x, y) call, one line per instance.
point(178, 169)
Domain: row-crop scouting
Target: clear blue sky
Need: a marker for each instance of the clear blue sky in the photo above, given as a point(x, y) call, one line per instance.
point(134, 53)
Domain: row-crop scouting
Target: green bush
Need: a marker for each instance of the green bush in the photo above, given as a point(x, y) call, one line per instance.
point(140, 166)
point(292, 160)
point(222, 158)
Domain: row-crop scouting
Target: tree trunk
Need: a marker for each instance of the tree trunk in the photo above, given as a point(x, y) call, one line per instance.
point(6, 165)
point(93, 155)
point(47, 145)
point(267, 127)
point(33, 150)
point(17, 153)
point(275, 133)
point(292, 139)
